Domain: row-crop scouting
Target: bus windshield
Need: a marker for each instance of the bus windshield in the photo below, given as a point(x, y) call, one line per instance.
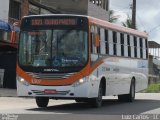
point(53, 48)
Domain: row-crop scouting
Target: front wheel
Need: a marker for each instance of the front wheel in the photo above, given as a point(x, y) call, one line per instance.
point(42, 101)
point(97, 102)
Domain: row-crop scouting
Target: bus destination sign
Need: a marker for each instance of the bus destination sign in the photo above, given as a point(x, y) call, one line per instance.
point(56, 22)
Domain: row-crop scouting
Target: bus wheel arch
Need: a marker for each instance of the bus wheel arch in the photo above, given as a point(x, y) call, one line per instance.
point(133, 87)
point(131, 96)
point(103, 82)
point(97, 102)
point(134, 80)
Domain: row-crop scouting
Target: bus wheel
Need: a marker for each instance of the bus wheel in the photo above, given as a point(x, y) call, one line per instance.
point(42, 101)
point(128, 97)
point(97, 102)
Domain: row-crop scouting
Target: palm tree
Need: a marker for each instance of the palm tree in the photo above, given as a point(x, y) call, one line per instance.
point(113, 18)
point(128, 23)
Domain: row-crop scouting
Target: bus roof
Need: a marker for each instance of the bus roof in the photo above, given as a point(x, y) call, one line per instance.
point(55, 15)
point(102, 23)
point(116, 27)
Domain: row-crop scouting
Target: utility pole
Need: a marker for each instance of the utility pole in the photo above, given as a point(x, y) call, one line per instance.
point(134, 14)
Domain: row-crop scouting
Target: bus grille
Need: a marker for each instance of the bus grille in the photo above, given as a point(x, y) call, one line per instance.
point(50, 76)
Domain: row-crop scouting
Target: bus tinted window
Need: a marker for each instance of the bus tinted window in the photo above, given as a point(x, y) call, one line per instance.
point(135, 46)
point(114, 43)
point(129, 47)
point(56, 48)
point(106, 41)
point(122, 44)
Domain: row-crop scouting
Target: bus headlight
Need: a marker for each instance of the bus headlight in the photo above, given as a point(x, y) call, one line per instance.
point(80, 82)
point(23, 81)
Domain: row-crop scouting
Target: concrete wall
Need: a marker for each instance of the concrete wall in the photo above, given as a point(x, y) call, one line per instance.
point(68, 6)
point(4, 10)
point(24, 7)
point(97, 11)
point(82, 7)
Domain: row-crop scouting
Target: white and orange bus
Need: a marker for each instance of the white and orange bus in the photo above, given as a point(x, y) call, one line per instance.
point(80, 57)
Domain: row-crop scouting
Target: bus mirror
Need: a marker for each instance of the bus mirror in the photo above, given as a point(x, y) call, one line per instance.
point(97, 40)
point(13, 33)
point(13, 37)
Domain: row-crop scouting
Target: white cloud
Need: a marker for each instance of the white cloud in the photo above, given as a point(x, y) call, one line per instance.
point(147, 15)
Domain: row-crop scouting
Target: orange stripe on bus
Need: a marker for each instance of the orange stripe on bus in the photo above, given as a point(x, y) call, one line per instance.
point(68, 81)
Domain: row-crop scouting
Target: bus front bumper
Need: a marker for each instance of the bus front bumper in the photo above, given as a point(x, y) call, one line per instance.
point(76, 90)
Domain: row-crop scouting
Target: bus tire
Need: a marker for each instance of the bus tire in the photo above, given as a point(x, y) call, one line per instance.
point(128, 97)
point(97, 102)
point(42, 101)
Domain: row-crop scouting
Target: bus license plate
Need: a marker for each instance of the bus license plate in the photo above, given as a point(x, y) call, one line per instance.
point(50, 91)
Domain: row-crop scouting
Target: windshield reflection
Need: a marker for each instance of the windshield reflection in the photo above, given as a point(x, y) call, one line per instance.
point(53, 48)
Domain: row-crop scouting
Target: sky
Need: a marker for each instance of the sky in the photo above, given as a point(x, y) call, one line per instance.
point(147, 18)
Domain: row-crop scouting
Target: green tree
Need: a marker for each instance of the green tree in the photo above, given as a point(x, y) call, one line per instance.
point(113, 18)
point(128, 23)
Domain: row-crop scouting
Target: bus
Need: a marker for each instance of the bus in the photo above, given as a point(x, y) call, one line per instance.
point(80, 57)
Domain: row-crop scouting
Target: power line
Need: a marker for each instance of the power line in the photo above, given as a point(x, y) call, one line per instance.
point(154, 28)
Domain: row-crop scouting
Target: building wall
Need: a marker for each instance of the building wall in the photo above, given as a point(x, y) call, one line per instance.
point(4, 10)
point(96, 11)
point(24, 7)
point(68, 6)
point(82, 7)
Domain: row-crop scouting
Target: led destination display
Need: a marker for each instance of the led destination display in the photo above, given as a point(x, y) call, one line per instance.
point(40, 22)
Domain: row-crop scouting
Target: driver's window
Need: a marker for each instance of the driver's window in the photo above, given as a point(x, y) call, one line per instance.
point(93, 31)
point(94, 55)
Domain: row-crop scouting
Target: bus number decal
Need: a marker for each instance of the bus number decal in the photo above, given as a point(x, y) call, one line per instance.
point(37, 22)
point(36, 81)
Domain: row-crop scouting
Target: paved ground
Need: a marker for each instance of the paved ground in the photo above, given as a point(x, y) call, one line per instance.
point(26, 108)
point(146, 105)
point(5, 92)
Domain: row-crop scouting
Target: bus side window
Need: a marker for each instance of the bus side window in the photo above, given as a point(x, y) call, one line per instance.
point(92, 36)
point(106, 41)
point(98, 35)
point(129, 46)
point(114, 43)
point(102, 41)
point(141, 47)
point(135, 46)
point(122, 44)
point(146, 48)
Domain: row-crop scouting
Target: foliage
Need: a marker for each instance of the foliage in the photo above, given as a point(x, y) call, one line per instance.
point(128, 23)
point(113, 18)
point(153, 88)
